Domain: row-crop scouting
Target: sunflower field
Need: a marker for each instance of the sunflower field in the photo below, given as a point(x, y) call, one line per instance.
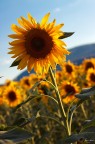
point(28, 103)
point(49, 106)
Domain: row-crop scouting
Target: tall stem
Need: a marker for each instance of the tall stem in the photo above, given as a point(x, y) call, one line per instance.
point(61, 107)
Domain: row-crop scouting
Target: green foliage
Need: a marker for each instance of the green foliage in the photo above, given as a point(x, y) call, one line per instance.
point(16, 135)
point(66, 34)
point(88, 136)
point(86, 93)
point(34, 121)
point(15, 63)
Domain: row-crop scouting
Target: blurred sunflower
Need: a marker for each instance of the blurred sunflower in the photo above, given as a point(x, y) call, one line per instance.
point(69, 69)
point(45, 87)
point(91, 76)
point(10, 82)
point(44, 98)
point(68, 90)
point(37, 45)
point(59, 76)
point(86, 84)
point(12, 96)
point(1, 98)
point(88, 63)
point(25, 83)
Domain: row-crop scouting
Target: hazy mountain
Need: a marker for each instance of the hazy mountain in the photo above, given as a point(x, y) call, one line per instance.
point(78, 54)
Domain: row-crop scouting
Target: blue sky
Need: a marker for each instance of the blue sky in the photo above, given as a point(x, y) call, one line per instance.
point(77, 15)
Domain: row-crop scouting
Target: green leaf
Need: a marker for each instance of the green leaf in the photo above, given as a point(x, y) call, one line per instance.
point(85, 90)
point(19, 121)
point(73, 109)
point(89, 129)
point(15, 63)
point(88, 124)
point(66, 34)
point(76, 106)
point(81, 136)
point(86, 93)
point(16, 135)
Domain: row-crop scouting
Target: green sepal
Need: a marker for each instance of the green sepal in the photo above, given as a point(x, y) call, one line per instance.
point(15, 63)
point(66, 34)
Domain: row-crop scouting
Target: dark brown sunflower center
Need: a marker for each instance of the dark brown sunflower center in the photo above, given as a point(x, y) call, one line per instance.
point(69, 68)
point(38, 43)
point(12, 96)
point(69, 89)
point(89, 65)
point(85, 84)
point(27, 82)
point(92, 77)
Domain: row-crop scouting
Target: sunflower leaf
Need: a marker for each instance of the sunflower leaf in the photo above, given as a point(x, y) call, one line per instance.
point(15, 63)
point(16, 135)
point(73, 109)
point(85, 94)
point(89, 124)
point(79, 137)
point(66, 34)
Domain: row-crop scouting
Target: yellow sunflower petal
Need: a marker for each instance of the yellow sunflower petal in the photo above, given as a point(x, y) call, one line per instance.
point(20, 57)
point(38, 67)
point(18, 29)
point(45, 20)
point(17, 47)
point(16, 51)
point(17, 42)
point(15, 55)
point(23, 24)
point(30, 64)
point(26, 22)
point(16, 36)
point(59, 42)
point(31, 19)
point(56, 28)
point(50, 26)
point(23, 62)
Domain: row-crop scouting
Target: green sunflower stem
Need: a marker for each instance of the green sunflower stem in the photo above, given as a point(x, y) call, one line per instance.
point(83, 110)
point(61, 107)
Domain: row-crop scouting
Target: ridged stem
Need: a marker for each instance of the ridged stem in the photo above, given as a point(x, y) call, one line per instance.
point(61, 107)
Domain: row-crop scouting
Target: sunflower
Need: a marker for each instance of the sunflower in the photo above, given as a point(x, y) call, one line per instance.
point(37, 45)
point(25, 83)
point(69, 70)
point(1, 98)
point(12, 96)
point(68, 90)
point(88, 63)
point(10, 82)
point(59, 76)
point(91, 76)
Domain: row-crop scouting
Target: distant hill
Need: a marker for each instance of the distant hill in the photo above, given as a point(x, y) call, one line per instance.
point(78, 54)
